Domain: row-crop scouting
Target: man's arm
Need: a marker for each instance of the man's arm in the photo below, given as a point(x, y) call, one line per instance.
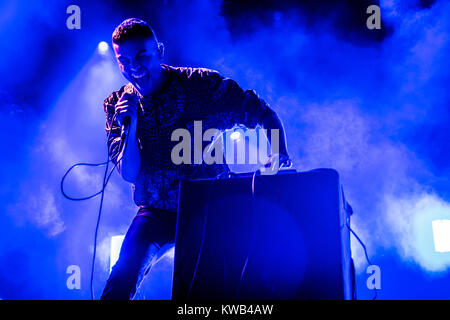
point(270, 120)
point(252, 110)
point(130, 161)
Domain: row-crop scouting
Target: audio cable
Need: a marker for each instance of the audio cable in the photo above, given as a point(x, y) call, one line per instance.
point(106, 178)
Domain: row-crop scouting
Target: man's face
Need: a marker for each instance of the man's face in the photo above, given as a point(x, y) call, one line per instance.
point(140, 62)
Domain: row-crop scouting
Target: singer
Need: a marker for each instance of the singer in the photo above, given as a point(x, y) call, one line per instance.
point(140, 118)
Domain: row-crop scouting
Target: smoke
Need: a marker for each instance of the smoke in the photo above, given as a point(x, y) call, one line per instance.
point(356, 108)
point(408, 225)
point(71, 132)
point(377, 113)
point(41, 202)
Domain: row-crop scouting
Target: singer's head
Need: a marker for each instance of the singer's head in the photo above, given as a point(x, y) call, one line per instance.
point(139, 54)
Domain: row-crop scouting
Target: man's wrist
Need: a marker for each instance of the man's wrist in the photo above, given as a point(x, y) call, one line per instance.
point(285, 160)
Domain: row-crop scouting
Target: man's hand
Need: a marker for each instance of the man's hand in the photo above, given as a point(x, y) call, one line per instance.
point(130, 160)
point(127, 107)
point(276, 162)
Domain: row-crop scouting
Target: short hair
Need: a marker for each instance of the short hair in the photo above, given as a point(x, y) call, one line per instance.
point(132, 28)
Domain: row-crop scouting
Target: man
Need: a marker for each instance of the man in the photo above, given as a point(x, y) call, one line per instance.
point(158, 100)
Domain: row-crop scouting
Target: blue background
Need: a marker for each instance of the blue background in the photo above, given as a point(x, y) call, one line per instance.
point(373, 104)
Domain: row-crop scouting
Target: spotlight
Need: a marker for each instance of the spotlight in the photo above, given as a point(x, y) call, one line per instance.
point(245, 149)
point(235, 135)
point(236, 131)
point(103, 47)
point(441, 235)
point(116, 244)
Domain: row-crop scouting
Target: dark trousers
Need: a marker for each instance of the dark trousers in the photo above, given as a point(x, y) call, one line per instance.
point(149, 227)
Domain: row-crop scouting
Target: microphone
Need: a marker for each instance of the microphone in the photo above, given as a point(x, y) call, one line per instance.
point(125, 127)
point(126, 122)
point(124, 132)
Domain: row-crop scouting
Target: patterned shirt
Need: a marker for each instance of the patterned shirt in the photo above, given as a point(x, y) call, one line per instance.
point(187, 95)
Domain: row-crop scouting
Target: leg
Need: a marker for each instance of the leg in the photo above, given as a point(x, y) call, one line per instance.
point(144, 231)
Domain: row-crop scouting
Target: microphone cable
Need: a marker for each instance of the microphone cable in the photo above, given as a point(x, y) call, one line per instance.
point(253, 236)
point(202, 242)
point(287, 163)
point(365, 253)
point(89, 165)
point(106, 178)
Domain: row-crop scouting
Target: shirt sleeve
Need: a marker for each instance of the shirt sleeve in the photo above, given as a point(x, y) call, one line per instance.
point(112, 127)
point(246, 106)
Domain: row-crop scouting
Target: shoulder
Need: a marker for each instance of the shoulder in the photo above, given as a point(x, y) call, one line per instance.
point(197, 75)
point(112, 98)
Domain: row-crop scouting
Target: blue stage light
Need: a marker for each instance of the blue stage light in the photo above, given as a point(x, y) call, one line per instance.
point(441, 235)
point(103, 47)
point(235, 135)
point(116, 244)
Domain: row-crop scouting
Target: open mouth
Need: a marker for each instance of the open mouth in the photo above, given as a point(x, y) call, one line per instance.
point(140, 78)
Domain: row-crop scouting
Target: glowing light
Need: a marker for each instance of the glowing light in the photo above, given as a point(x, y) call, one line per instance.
point(116, 244)
point(103, 47)
point(441, 235)
point(245, 149)
point(235, 135)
